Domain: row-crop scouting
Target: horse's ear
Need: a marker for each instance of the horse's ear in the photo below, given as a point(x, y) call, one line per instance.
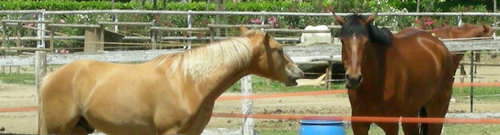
point(243, 29)
point(339, 19)
point(370, 19)
point(266, 39)
point(488, 30)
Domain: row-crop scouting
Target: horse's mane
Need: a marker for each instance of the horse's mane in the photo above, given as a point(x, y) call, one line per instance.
point(234, 52)
point(354, 26)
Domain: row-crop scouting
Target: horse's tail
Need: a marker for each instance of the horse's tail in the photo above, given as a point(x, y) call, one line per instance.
point(424, 127)
point(455, 58)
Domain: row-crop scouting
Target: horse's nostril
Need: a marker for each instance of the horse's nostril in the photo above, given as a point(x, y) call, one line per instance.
point(302, 74)
point(353, 78)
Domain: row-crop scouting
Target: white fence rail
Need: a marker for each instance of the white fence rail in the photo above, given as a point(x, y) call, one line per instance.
point(300, 54)
point(259, 13)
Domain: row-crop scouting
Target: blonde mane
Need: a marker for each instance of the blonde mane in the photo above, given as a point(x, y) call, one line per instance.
point(232, 53)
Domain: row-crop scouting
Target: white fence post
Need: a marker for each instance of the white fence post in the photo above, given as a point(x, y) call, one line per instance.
point(460, 22)
point(40, 70)
point(41, 30)
point(115, 19)
point(190, 25)
point(246, 108)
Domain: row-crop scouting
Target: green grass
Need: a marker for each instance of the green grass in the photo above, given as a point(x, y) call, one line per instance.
point(260, 84)
point(18, 78)
point(465, 91)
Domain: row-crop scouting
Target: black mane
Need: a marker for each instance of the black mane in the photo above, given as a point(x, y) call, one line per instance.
point(353, 25)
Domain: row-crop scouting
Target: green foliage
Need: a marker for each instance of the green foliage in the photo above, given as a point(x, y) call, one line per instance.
point(196, 6)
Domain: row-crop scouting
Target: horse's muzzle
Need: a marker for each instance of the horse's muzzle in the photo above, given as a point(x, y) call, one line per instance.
point(292, 79)
point(353, 82)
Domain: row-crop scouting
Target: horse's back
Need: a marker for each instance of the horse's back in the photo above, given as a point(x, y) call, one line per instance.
point(424, 58)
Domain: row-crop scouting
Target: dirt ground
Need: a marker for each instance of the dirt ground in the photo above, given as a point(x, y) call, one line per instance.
point(17, 96)
point(333, 105)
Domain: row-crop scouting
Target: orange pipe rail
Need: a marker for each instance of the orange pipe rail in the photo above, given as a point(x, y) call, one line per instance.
point(339, 91)
point(288, 94)
point(364, 118)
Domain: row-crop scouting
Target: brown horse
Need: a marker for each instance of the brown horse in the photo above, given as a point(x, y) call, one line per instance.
point(395, 75)
point(171, 94)
point(464, 31)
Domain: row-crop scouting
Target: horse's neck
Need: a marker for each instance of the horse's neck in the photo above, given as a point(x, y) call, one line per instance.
point(373, 67)
point(213, 69)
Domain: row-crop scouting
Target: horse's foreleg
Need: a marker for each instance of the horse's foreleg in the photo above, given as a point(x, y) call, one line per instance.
point(410, 128)
point(389, 128)
point(360, 128)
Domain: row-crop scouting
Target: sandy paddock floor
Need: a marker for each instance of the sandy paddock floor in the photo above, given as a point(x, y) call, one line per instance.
point(25, 122)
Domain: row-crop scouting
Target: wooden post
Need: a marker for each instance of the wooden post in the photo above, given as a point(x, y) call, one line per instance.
point(4, 37)
point(153, 39)
point(40, 66)
point(328, 74)
point(18, 37)
point(220, 7)
point(246, 105)
point(471, 92)
point(94, 39)
point(52, 30)
point(40, 70)
point(212, 34)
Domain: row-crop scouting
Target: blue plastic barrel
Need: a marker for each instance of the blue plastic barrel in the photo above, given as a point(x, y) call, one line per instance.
point(321, 127)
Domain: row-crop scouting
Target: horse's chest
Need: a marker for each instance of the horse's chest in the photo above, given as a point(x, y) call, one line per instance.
point(375, 103)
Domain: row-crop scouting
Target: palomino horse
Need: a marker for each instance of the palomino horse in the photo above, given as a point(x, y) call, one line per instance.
point(171, 94)
point(394, 75)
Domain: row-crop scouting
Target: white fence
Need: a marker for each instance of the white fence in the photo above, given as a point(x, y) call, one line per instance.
point(300, 54)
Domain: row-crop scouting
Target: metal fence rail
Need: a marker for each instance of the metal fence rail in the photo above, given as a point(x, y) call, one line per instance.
point(43, 14)
point(260, 13)
point(300, 54)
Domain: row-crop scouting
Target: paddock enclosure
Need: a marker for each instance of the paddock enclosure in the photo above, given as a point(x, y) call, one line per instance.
point(254, 105)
